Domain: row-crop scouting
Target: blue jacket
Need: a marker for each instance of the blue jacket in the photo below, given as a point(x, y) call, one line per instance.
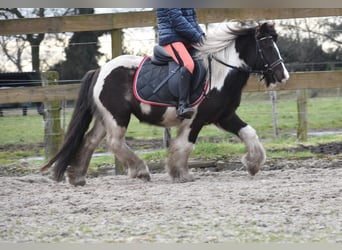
point(178, 25)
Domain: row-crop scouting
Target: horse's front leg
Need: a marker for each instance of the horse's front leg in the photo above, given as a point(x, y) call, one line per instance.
point(255, 157)
point(179, 152)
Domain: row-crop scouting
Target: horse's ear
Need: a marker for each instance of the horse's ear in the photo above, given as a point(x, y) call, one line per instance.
point(264, 29)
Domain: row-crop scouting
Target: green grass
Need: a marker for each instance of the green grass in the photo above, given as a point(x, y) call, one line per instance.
point(21, 129)
point(20, 132)
point(323, 113)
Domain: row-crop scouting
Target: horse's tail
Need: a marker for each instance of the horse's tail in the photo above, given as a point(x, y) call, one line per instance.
point(77, 128)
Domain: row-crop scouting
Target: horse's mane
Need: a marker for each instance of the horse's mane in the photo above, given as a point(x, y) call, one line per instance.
point(226, 32)
point(219, 42)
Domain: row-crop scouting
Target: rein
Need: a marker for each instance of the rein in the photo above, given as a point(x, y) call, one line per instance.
point(250, 71)
point(269, 67)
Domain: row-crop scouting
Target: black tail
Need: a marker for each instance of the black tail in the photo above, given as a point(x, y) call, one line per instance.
point(78, 126)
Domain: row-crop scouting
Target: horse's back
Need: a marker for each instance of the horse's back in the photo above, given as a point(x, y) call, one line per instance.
point(109, 71)
point(126, 61)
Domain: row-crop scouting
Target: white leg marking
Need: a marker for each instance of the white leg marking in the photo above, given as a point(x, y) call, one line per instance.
point(256, 156)
point(177, 163)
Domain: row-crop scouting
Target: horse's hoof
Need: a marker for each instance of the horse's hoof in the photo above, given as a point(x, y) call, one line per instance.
point(79, 181)
point(252, 170)
point(183, 178)
point(143, 175)
point(253, 164)
point(252, 167)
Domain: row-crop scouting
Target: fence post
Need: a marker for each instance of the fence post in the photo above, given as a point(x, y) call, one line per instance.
point(116, 37)
point(273, 97)
point(53, 133)
point(302, 130)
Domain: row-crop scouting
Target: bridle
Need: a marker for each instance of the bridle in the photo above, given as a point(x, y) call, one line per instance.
point(269, 67)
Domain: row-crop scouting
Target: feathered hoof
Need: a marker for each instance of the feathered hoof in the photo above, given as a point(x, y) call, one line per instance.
point(183, 178)
point(144, 175)
point(254, 166)
point(78, 181)
point(252, 170)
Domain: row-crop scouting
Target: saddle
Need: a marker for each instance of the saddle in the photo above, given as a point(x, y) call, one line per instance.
point(156, 80)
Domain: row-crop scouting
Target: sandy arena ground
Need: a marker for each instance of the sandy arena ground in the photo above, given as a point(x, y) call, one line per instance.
point(289, 201)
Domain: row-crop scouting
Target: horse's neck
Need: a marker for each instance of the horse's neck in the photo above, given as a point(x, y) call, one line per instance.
point(234, 83)
point(219, 72)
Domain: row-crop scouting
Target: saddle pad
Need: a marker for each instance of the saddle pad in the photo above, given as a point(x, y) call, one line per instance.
point(148, 78)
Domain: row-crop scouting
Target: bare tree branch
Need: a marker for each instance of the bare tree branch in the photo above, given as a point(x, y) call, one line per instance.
point(34, 39)
point(15, 58)
point(308, 29)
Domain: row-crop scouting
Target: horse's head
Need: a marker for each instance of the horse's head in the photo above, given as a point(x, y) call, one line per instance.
point(246, 47)
point(268, 59)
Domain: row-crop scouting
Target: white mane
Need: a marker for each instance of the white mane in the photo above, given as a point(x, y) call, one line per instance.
point(221, 44)
point(223, 36)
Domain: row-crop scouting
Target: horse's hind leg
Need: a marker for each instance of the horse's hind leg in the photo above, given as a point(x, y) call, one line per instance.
point(78, 168)
point(179, 152)
point(117, 143)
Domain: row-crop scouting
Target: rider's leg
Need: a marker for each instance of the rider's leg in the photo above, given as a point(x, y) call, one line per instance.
point(181, 55)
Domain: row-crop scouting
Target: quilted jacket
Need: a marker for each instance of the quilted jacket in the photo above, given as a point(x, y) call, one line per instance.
point(178, 25)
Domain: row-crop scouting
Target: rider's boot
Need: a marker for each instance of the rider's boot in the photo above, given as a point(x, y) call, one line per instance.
point(184, 110)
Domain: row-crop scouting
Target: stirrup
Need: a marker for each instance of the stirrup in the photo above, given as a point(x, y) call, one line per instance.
point(185, 112)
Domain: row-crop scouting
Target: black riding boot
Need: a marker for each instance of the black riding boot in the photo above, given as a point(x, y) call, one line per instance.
point(184, 109)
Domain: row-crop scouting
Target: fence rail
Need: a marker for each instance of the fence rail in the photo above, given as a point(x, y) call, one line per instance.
point(147, 18)
point(299, 80)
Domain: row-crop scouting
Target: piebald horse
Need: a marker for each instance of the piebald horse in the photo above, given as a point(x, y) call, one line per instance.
point(231, 53)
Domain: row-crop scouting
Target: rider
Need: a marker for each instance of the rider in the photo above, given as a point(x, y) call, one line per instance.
point(178, 29)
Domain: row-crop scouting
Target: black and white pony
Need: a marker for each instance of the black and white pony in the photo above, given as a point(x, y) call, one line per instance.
point(230, 54)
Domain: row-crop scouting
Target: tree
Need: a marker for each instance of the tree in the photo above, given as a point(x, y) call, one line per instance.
point(33, 39)
point(82, 52)
point(302, 43)
point(16, 45)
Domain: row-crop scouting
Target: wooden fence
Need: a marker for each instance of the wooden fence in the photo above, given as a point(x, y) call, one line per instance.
point(300, 80)
point(118, 21)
